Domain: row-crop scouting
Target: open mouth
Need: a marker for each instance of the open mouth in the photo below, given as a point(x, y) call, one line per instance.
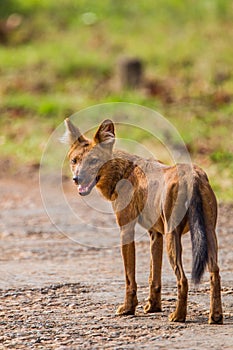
point(84, 190)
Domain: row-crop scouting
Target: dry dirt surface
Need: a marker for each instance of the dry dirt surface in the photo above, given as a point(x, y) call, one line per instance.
point(56, 293)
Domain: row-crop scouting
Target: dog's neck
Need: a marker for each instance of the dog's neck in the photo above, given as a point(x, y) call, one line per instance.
point(120, 167)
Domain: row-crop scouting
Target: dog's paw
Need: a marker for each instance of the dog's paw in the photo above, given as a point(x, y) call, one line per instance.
point(124, 311)
point(149, 308)
point(176, 317)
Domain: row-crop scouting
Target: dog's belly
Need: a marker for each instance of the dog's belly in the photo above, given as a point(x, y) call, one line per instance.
point(151, 221)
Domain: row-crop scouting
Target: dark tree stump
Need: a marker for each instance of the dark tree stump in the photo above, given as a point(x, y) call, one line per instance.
point(130, 72)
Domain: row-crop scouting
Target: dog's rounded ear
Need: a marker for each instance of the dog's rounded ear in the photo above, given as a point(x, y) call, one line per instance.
point(72, 134)
point(105, 135)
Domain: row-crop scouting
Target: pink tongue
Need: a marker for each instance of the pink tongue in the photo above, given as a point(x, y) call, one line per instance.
point(82, 189)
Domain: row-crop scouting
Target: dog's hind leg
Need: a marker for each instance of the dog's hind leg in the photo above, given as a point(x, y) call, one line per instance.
point(156, 251)
point(215, 316)
point(210, 218)
point(128, 254)
point(174, 249)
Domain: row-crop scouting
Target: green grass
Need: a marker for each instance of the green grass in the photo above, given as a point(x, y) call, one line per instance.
point(62, 58)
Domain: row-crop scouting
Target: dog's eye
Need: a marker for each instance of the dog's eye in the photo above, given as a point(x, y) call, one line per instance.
point(74, 161)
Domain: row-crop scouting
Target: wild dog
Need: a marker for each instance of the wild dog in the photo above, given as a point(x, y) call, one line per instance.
point(167, 200)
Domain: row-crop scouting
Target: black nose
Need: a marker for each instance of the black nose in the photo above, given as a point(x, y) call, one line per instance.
point(76, 179)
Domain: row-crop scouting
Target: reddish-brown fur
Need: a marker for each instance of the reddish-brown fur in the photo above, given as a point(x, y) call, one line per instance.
point(167, 200)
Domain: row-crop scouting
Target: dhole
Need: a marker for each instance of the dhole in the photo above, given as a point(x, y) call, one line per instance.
point(167, 200)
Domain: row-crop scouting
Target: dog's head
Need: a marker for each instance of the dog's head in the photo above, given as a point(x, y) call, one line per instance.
point(89, 157)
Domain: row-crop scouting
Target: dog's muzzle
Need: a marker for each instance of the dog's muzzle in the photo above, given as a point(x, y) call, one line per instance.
point(84, 189)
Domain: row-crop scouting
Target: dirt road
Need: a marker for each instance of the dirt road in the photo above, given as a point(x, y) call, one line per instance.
point(56, 293)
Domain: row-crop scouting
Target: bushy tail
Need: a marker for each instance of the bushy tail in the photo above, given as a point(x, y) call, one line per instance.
point(198, 235)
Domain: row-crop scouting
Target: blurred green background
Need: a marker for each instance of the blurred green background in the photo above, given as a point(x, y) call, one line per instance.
point(58, 57)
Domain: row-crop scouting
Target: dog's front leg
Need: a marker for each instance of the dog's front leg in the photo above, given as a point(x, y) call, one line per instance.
point(128, 254)
point(156, 251)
